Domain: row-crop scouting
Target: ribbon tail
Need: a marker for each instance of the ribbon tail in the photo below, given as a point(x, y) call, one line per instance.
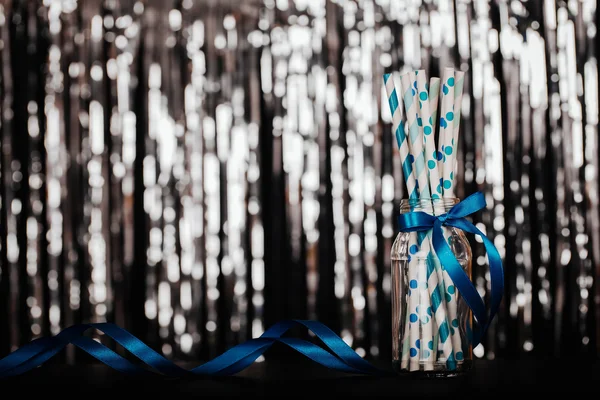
point(22, 354)
point(495, 263)
point(21, 366)
point(38, 352)
point(459, 277)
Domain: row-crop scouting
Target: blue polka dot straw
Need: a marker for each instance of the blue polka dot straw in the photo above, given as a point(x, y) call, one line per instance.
point(434, 96)
point(454, 117)
point(454, 82)
point(447, 127)
point(414, 331)
point(426, 323)
point(428, 137)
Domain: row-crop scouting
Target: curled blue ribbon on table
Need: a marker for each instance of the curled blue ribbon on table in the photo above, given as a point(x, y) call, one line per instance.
point(340, 356)
point(418, 221)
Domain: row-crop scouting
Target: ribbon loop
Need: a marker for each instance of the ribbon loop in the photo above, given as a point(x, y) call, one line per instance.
point(418, 221)
point(468, 206)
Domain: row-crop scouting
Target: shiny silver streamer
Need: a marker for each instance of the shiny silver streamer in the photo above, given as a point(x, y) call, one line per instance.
point(196, 171)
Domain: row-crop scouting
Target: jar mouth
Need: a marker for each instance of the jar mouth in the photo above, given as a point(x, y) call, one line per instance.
point(429, 205)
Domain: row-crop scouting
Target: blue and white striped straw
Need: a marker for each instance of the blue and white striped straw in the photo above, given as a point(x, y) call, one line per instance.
point(409, 178)
point(401, 138)
point(411, 337)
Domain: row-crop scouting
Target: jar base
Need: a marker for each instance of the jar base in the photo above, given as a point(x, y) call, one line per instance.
point(439, 370)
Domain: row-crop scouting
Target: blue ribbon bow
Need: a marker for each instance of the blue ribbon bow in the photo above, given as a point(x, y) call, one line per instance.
point(418, 221)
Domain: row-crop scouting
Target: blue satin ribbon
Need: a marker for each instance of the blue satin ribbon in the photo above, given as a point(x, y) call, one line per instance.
point(340, 356)
point(418, 221)
point(337, 355)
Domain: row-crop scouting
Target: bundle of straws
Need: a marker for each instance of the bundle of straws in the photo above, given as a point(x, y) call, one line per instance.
point(431, 333)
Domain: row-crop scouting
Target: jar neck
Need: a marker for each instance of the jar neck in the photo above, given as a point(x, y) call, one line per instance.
point(430, 206)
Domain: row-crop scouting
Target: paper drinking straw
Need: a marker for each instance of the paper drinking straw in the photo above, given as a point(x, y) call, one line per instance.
point(439, 298)
point(438, 295)
point(451, 295)
point(447, 128)
point(416, 149)
point(401, 139)
point(428, 126)
point(412, 336)
point(415, 139)
point(409, 178)
point(435, 343)
point(405, 341)
point(426, 319)
point(459, 79)
point(415, 349)
point(428, 136)
point(446, 119)
point(416, 158)
point(434, 97)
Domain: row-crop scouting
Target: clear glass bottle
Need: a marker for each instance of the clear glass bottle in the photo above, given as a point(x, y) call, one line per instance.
point(425, 299)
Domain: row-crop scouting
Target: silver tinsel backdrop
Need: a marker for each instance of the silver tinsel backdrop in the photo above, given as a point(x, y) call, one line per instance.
point(198, 170)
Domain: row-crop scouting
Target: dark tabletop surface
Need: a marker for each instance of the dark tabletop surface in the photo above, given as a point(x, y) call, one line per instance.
point(297, 377)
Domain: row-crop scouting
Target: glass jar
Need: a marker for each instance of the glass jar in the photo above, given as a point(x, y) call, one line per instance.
point(431, 323)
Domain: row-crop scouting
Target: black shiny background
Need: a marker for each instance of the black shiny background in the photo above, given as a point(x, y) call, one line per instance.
point(196, 171)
